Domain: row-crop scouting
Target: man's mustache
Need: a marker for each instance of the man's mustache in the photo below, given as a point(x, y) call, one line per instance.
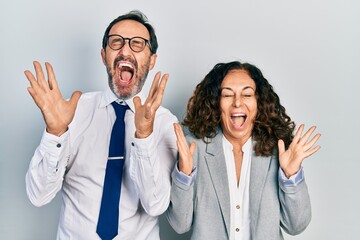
point(125, 58)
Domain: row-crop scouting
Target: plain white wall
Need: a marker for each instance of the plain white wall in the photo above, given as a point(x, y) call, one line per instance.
point(309, 50)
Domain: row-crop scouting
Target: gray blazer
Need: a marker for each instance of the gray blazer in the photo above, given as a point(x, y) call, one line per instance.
point(204, 206)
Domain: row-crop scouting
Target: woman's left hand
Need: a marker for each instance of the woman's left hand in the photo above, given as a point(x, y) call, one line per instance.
point(300, 148)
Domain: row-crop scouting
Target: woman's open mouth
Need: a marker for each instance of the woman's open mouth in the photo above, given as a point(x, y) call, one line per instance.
point(238, 119)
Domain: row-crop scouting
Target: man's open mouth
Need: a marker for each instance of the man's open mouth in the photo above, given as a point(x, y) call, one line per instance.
point(126, 72)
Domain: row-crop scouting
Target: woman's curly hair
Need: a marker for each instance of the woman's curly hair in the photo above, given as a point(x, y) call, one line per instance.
point(271, 123)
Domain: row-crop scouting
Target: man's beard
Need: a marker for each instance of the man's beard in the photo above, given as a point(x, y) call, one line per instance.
point(139, 76)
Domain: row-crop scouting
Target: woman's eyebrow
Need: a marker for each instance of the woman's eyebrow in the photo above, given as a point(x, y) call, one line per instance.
point(244, 88)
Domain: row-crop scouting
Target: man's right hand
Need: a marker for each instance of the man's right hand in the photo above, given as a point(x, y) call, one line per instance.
point(57, 112)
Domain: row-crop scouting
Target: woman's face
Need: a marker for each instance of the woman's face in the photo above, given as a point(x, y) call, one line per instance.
point(238, 105)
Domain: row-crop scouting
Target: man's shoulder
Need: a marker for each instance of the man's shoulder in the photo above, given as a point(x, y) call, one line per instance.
point(88, 102)
point(90, 99)
point(163, 112)
point(91, 96)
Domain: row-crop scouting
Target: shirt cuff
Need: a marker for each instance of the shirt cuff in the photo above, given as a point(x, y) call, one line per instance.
point(294, 180)
point(144, 147)
point(183, 178)
point(53, 147)
point(53, 144)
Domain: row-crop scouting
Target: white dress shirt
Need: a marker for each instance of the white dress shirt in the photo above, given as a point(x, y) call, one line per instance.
point(75, 163)
point(239, 193)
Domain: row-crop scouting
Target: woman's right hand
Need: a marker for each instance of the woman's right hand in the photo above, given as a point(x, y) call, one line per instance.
point(185, 151)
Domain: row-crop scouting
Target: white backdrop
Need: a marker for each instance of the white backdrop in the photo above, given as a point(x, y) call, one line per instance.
point(309, 50)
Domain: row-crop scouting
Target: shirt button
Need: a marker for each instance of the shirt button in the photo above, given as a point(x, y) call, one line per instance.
point(58, 145)
point(132, 144)
point(237, 229)
point(237, 206)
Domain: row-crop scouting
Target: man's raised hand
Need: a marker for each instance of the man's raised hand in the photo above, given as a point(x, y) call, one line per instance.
point(57, 112)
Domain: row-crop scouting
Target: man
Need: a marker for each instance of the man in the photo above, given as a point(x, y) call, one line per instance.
point(74, 150)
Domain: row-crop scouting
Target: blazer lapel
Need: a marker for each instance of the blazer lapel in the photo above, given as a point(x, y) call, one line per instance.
point(215, 160)
point(258, 173)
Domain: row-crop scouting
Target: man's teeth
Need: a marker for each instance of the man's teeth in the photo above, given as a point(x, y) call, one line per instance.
point(125, 65)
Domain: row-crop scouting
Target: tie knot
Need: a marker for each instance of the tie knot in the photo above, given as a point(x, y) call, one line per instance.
point(119, 109)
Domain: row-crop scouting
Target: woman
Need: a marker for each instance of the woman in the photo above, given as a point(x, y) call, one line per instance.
point(241, 176)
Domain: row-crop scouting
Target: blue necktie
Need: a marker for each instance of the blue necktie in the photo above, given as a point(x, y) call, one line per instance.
point(108, 221)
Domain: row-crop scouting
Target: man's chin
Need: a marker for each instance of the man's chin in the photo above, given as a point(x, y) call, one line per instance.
point(124, 93)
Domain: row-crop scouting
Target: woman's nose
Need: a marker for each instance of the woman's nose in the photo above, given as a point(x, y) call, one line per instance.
point(237, 101)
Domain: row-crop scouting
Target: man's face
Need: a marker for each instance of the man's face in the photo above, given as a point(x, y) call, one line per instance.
point(127, 70)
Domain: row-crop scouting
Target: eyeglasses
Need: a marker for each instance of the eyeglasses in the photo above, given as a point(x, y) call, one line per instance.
point(136, 44)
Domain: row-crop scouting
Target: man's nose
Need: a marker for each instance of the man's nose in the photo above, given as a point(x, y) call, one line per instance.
point(126, 50)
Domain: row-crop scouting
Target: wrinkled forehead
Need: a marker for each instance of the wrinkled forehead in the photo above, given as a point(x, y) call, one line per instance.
point(238, 79)
point(130, 28)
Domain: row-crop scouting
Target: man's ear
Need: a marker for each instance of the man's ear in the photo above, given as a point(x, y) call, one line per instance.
point(103, 54)
point(152, 61)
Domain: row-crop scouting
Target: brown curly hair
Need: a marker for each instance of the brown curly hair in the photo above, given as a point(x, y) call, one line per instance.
point(271, 123)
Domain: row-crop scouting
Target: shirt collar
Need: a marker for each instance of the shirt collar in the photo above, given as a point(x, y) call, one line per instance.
point(248, 145)
point(245, 148)
point(108, 97)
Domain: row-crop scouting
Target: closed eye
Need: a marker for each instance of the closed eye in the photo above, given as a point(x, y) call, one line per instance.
point(227, 95)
